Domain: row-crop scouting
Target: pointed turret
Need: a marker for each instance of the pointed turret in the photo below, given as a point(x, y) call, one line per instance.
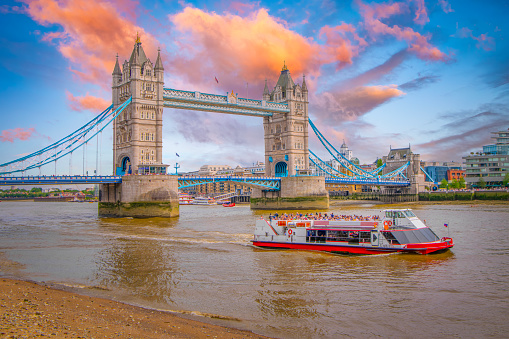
point(266, 93)
point(116, 70)
point(138, 56)
point(159, 62)
point(304, 86)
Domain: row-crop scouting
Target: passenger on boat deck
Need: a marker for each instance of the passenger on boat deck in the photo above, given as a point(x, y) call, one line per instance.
point(325, 216)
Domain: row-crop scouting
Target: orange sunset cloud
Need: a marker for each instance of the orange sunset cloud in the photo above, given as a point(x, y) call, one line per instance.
point(92, 32)
point(87, 102)
point(254, 47)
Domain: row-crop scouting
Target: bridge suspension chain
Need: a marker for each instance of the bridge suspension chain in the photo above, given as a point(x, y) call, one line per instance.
point(358, 172)
point(66, 145)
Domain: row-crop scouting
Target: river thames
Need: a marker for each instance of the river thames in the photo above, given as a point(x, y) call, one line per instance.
point(202, 265)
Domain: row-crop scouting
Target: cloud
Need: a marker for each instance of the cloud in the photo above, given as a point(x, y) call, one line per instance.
point(484, 41)
point(17, 133)
point(421, 14)
point(87, 102)
point(239, 49)
point(342, 44)
point(219, 129)
point(446, 7)
point(418, 44)
point(466, 131)
point(419, 82)
point(376, 73)
point(352, 104)
point(92, 32)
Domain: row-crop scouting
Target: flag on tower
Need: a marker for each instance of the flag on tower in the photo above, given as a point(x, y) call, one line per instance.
point(216, 79)
point(446, 225)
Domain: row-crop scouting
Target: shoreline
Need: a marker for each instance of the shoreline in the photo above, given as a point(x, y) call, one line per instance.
point(32, 309)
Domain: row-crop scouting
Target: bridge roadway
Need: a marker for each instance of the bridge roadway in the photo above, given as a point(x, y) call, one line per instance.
point(263, 182)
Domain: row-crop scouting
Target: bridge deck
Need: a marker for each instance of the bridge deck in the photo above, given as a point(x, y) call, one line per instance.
point(60, 180)
point(264, 182)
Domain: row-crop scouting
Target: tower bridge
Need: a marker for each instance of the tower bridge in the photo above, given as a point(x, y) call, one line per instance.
point(138, 99)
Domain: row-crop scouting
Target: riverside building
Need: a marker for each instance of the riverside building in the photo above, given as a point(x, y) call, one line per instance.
point(492, 164)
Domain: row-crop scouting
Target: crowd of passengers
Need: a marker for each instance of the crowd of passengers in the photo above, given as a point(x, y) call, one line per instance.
point(320, 216)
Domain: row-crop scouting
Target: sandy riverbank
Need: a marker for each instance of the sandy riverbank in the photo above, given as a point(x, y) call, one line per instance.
point(30, 310)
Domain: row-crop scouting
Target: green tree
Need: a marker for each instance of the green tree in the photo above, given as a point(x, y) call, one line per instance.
point(481, 183)
point(506, 180)
point(36, 189)
point(455, 184)
point(462, 182)
point(379, 162)
point(444, 183)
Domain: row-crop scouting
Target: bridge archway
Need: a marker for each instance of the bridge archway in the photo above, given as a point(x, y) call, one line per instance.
point(126, 166)
point(281, 169)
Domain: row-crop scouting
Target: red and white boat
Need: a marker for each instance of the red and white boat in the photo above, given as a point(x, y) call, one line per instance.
point(229, 204)
point(185, 199)
point(398, 230)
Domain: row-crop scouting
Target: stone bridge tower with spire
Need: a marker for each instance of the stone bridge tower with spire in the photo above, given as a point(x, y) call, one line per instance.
point(137, 137)
point(286, 134)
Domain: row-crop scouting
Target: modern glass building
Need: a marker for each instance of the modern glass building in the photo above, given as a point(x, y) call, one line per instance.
point(491, 164)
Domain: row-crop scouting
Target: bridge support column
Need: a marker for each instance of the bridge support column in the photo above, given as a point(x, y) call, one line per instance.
point(140, 196)
point(297, 193)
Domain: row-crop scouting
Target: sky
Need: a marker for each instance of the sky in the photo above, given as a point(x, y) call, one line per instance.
point(431, 74)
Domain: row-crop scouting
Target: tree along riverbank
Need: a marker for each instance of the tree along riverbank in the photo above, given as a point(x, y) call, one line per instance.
point(487, 195)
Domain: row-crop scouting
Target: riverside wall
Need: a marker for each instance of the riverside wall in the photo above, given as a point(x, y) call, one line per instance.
point(140, 196)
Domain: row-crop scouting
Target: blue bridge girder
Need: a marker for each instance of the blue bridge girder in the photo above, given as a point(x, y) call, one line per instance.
point(183, 182)
point(60, 180)
point(262, 182)
point(371, 182)
point(230, 104)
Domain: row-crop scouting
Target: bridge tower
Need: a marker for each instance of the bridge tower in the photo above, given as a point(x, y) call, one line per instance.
point(137, 137)
point(286, 134)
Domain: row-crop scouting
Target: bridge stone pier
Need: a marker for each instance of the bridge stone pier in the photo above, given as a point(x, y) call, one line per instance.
point(297, 193)
point(140, 196)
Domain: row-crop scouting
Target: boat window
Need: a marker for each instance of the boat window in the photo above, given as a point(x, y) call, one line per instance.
point(415, 236)
point(390, 237)
point(409, 213)
point(429, 234)
point(398, 215)
point(388, 214)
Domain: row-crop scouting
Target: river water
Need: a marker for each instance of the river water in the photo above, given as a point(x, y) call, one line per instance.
point(202, 264)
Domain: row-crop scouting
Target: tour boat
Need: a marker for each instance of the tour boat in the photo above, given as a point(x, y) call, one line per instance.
point(397, 230)
point(204, 201)
point(185, 199)
point(229, 204)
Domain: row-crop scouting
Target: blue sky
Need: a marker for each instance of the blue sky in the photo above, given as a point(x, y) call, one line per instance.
point(432, 74)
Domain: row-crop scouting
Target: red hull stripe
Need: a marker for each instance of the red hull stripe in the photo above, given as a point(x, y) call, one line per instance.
point(419, 248)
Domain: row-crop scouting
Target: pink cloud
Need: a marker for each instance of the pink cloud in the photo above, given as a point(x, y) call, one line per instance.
point(342, 43)
point(87, 102)
point(484, 41)
point(17, 133)
point(421, 14)
point(352, 104)
point(446, 6)
point(418, 43)
point(92, 33)
point(242, 8)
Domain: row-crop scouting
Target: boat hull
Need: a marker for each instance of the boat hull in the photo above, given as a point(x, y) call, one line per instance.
point(421, 248)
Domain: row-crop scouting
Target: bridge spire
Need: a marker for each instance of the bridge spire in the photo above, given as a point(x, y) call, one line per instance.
point(159, 62)
point(116, 70)
point(304, 87)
